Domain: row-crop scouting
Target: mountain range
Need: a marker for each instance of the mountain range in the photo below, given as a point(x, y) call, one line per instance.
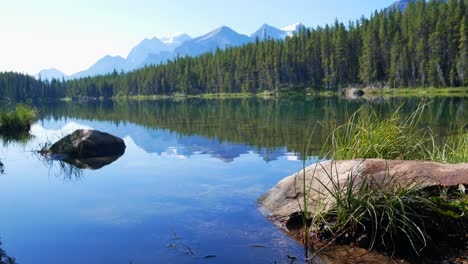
point(158, 50)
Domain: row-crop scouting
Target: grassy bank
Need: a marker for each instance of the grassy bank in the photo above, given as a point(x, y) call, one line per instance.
point(202, 96)
point(421, 92)
point(309, 92)
point(403, 218)
point(17, 121)
point(404, 92)
point(367, 134)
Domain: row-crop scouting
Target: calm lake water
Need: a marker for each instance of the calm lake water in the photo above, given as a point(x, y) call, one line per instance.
point(185, 190)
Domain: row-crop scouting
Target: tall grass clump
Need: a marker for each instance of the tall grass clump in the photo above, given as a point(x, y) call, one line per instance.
point(19, 120)
point(453, 150)
point(388, 215)
point(369, 134)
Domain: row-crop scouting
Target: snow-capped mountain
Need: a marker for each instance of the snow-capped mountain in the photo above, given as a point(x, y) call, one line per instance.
point(267, 31)
point(175, 40)
point(158, 50)
point(294, 28)
point(146, 47)
point(50, 74)
point(219, 38)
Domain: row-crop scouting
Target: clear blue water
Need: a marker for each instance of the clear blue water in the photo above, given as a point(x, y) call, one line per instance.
point(186, 187)
point(167, 194)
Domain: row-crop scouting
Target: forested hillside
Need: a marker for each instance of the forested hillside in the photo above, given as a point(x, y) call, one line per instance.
point(427, 45)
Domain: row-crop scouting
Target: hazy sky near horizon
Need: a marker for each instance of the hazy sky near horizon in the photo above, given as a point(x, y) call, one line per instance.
point(71, 35)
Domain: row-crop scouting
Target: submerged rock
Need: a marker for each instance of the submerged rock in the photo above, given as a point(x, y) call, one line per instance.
point(86, 144)
point(283, 203)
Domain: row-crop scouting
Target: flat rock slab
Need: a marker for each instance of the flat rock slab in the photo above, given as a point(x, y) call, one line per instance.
point(285, 200)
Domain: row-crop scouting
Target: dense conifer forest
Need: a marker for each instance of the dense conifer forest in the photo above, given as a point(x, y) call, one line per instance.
point(424, 46)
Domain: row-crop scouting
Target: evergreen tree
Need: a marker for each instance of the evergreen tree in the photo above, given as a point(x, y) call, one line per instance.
point(463, 53)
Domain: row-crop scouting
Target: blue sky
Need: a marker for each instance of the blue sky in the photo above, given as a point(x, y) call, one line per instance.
point(73, 34)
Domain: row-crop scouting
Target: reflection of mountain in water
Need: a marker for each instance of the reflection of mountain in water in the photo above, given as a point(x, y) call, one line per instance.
point(229, 128)
point(162, 141)
point(227, 151)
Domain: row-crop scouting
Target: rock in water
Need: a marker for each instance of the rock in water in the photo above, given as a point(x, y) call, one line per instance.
point(283, 203)
point(86, 143)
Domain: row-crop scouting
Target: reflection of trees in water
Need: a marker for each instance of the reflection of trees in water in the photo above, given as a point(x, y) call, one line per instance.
point(270, 124)
point(4, 258)
point(2, 168)
point(21, 138)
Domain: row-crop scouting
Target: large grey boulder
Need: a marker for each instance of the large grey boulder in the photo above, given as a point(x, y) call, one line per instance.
point(86, 143)
point(282, 204)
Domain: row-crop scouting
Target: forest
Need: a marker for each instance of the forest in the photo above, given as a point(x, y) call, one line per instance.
point(424, 46)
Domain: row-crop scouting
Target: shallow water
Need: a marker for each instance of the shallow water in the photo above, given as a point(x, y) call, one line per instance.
point(185, 190)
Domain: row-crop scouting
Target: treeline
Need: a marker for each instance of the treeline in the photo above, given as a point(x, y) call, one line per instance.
point(18, 87)
point(427, 45)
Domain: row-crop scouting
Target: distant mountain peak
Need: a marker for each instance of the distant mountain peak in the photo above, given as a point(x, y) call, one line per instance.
point(267, 31)
point(177, 37)
point(221, 37)
point(224, 30)
point(110, 57)
point(146, 47)
point(293, 27)
point(49, 74)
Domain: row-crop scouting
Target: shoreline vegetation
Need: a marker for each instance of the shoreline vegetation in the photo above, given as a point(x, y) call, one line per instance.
point(17, 121)
point(369, 93)
point(405, 218)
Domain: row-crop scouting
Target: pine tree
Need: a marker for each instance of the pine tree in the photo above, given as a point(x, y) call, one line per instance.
point(435, 68)
point(463, 53)
point(368, 58)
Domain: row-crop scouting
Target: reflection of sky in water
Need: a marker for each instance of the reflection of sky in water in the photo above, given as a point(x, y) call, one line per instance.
point(202, 189)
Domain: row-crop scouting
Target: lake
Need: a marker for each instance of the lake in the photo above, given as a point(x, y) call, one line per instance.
point(185, 191)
